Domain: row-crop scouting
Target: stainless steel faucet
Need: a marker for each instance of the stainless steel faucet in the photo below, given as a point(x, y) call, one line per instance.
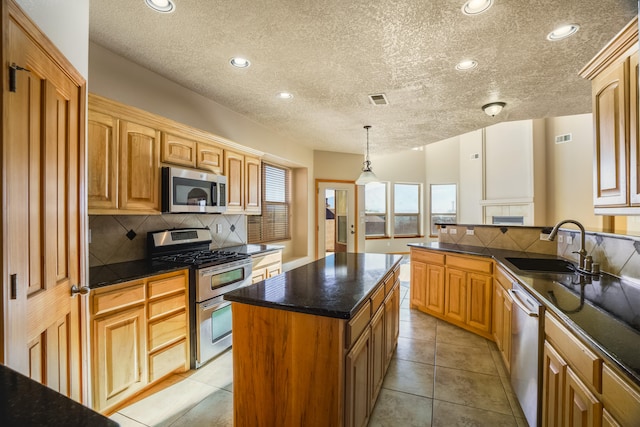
point(585, 261)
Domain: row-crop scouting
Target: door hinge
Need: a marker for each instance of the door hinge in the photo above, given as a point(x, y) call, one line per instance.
point(14, 286)
point(12, 75)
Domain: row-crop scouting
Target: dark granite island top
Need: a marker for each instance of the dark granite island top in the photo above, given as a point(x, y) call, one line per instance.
point(335, 286)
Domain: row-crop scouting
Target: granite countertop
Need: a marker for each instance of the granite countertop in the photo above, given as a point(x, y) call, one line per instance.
point(25, 402)
point(604, 310)
point(335, 286)
point(110, 274)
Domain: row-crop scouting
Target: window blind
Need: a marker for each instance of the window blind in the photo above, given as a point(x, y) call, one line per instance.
point(273, 223)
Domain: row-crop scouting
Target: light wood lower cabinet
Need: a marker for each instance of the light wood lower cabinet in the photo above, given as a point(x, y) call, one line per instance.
point(455, 288)
point(139, 335)
point(358, 382)
point(502, 307)
point(265, 266)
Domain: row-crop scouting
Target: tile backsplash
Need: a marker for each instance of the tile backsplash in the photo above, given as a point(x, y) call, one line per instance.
point(120, 238)
point(617, 254)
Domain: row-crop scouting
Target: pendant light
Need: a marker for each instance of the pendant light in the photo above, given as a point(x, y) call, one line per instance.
point(367, 174)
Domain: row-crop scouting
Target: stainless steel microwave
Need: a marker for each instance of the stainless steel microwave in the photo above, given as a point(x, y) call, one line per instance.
point(192, 191)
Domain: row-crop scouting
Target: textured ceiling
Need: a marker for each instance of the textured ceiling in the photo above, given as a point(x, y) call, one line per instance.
point(332, 54)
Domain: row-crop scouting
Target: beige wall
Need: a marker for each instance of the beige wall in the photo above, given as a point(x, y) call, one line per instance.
point(66, 23)
point(337, 166)
point(570, 171)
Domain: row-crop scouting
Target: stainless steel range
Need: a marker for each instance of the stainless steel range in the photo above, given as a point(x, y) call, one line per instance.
point(213, 273)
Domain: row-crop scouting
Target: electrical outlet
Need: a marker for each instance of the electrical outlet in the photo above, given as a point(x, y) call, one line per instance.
point(569, 240)
point(89, 235)
point(218, 228)
point(470, 232)
point(544, 236)
point(443, 231)
point(560, 239)
point(453, 231)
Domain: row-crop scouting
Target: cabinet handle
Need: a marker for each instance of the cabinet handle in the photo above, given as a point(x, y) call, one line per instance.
point(75, 290)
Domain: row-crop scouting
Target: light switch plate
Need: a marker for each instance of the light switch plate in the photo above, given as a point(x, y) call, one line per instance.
point(470, 232)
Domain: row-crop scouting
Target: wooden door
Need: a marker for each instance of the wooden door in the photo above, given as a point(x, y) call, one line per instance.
point(358, 382)
point(234, 165)
point(178, 151)
point(209, 157)
point(581, 407)
point(553, 377)
point(418, 285)
point(378, 354)
point(139, 179)
point(455, 296)
point(43, 140)
point(507, 308)
point(634, 133)
point(478, 296)
point(253, 189)
point(610, 155)
point(435, 288)
point(391, 322)
point(102, 161)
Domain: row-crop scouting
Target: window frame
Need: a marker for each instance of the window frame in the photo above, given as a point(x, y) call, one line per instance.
point(262, 224)
point(432, 213)
point(418, 215)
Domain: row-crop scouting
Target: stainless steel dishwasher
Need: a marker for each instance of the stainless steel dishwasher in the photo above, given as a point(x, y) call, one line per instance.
point(527, 320)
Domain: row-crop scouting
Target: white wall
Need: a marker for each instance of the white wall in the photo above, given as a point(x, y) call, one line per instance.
point(66, 23)
point(470, 181)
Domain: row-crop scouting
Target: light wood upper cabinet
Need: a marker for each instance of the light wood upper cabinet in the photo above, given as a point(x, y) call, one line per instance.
point(209, 157)
point(253, 188)
point(139, 175)
point(243, 183)
point(614, 76)
point(178, 151)
point(102, 161)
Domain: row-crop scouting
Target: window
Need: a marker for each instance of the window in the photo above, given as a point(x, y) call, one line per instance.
point(273, 224)
point(443, 205)
point(375, 209)
point(406, 209)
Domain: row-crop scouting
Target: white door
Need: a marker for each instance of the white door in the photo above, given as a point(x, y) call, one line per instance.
point(336, 217)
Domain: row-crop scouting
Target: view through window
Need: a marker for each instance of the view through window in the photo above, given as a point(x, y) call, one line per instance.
point(406, 209)
point(375, 209)
point(443, 205)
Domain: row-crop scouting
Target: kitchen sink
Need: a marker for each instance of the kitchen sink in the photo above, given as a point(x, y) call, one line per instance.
point(551, 265)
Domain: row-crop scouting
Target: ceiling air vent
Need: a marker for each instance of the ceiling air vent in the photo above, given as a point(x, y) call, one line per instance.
point(378, 99)
point(561, 139)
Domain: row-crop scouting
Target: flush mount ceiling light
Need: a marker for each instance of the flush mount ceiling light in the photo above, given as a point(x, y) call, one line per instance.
point(162, 6)
point(285, 95)
point(239, 62)
point(493, 108)
point(467, 64)
point(563, 32)
point(475, 7)
point(367, 174)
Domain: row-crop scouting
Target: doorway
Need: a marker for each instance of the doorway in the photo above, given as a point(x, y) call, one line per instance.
point(335, 217)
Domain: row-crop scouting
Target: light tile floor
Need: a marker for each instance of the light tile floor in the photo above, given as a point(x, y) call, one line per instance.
point(440, 375)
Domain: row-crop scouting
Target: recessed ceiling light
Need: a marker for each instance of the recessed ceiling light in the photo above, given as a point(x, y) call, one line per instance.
point(563, 32)
point(467, 64)
point(475, 7)
point(285, 95)
point(239, 62)
point(163, 6)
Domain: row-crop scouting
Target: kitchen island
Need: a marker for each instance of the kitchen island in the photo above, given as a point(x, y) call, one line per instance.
point(310, 346)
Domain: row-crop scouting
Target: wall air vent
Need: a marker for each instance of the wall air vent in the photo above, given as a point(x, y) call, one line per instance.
point(561, 139)
point(378, 99)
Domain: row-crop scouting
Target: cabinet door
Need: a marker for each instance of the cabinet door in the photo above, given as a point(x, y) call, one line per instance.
point(392, 321)
point(274, 270)
point(102, 161)
point(506, 330)
point(554, 372)
point(234, 163)
point(581, 407)
point(209, 157)
point(378, 353)
point(252, 188)
point(258, 275)
point(139, 180)
point(435, 288)
point(178, 151)
point(478, 305)
point(357, 394)
point(610, 156)
point(418, 285)
point(455, 295)
point(634, 133)
point(119, 351)
point(498, 303)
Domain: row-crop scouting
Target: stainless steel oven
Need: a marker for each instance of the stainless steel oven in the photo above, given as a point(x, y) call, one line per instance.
point(213, 314)
point(212, 274)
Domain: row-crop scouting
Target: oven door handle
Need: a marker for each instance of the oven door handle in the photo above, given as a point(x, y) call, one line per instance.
point(214, 303)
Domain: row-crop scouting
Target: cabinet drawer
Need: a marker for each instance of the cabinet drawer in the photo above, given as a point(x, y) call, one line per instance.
point(620, 397)
point(166, 305)
point(261, 261)
point(470, 264)
point(504, 278)
point(396, 273)
point(162, 287)
point(117, 299)
point(164, 331)
point(427, 256)
point(583, 360)
point(357, 324)
point(377, 298)
point(388, 284)
point(168, 360)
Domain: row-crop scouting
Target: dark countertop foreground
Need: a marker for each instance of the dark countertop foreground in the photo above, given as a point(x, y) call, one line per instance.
point(110, 274)
point(25, 402)
point(335, 286)
point(604, 311)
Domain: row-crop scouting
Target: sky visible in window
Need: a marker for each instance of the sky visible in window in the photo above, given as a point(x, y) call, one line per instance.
point(375, 199)
point(443, 198)
point(406, 198)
